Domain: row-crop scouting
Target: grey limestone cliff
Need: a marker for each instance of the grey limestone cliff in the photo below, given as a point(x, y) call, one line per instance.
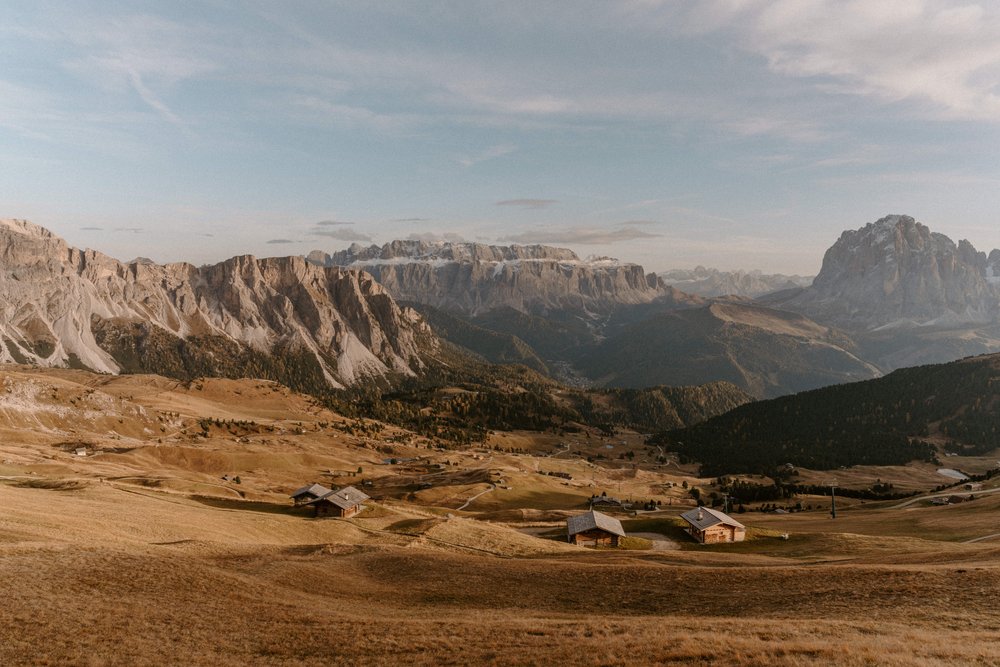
point(59, 304)
point(472, 278)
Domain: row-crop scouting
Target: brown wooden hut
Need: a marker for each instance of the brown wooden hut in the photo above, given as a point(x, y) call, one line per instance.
point(343, 503)
point(594, 529)
point(710, 526)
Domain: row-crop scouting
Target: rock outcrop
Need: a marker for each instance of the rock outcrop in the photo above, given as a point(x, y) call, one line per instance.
point(65, 306)
point(897, 273)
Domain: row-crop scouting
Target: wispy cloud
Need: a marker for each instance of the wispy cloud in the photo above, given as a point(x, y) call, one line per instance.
point(410, 220)
point(528, 203)
point(332, 223)
point(579, 235)
point(130, 230)
point(342, 234)
point(939, 53)
point(91, 229)
point(489, 154)
point(280, 241)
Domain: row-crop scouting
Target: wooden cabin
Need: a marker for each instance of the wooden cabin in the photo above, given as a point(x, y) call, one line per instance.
point(594, 529)
point(710, 526)
point(344, 503)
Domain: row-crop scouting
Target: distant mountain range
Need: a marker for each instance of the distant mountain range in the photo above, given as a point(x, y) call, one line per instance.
point(889, 294)
point(713, 282)
point(314, 328)
point(605, 323)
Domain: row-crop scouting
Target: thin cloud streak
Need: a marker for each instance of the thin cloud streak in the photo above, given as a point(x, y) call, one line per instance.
point(490, 153)
point(342, 234)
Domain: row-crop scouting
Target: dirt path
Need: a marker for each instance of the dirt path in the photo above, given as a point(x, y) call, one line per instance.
point(660, 542)
point(983, 538)
point(467, 502)
point(943, 495)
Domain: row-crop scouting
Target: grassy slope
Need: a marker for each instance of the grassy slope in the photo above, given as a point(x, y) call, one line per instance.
point(116, 572)
point(494, 347)
point(763, 351)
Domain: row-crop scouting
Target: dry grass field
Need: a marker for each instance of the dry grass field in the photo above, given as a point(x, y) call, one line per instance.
point(140, 553)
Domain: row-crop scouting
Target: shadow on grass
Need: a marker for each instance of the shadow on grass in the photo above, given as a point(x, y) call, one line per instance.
point(253, 506)
point(669, 527)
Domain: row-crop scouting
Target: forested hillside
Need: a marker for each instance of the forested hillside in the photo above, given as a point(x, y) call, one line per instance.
point(886, 421)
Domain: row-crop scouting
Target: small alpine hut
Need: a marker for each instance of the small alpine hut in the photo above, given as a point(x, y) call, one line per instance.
point(594, 529)
point(710, 526)
point(344, 503)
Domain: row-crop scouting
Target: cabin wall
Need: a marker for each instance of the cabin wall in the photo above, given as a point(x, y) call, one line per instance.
point(324, 508)
point(719, 534)
point(595, 538)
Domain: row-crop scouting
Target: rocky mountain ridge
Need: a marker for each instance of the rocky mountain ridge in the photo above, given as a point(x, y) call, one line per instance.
point(472, 278)
point(600, 322)
point(66, 306)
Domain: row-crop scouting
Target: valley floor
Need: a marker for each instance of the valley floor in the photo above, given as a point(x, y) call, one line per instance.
point(145, 552)
point(109, 575)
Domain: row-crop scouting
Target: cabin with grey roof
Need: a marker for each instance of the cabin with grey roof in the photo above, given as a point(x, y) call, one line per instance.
point(343, 503)
point(594, 529)
point(710, 526)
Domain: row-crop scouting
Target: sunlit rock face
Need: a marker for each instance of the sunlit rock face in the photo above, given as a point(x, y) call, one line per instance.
point(896, 272)
point(65, 306)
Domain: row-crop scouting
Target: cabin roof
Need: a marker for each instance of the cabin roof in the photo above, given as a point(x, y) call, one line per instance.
point(592, 520)
point(317, 490)
point(705, 517)
point(344, 498)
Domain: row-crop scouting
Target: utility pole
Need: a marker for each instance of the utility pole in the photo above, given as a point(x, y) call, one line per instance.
point(833, 500)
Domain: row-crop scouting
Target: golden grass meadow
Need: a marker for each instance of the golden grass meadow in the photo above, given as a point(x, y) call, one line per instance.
point(145, 551)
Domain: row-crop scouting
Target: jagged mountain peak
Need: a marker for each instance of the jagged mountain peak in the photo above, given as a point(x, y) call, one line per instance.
point(897, 272)
point(64, 306)
point(26, 228)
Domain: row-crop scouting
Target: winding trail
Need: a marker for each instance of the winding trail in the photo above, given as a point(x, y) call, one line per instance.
point(981, 539)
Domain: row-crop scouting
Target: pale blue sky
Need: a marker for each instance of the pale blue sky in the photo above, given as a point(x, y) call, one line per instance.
point(736, 134)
